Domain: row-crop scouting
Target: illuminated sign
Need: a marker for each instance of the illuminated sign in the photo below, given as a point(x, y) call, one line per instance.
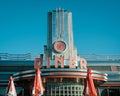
point(59, 61)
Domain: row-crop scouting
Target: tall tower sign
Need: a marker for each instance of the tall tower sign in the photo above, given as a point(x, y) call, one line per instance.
point(60, 39)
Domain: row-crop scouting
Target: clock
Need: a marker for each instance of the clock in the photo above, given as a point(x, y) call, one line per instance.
point(59, 46)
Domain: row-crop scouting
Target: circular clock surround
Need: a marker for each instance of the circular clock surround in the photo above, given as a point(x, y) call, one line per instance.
point(59, 46)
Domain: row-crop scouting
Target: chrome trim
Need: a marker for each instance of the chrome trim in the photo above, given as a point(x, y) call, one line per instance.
point(60, 72)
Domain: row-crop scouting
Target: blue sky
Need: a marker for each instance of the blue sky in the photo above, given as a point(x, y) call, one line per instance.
point(96, 25)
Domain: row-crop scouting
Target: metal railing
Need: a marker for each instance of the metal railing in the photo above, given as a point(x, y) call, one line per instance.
point(101, 57)
point(6, 56)
point(32, 56)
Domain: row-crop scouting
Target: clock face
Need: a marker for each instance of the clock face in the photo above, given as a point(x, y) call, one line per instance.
point(59, 46)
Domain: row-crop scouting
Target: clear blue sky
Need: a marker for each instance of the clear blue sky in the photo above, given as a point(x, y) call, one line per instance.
point(96, 25)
